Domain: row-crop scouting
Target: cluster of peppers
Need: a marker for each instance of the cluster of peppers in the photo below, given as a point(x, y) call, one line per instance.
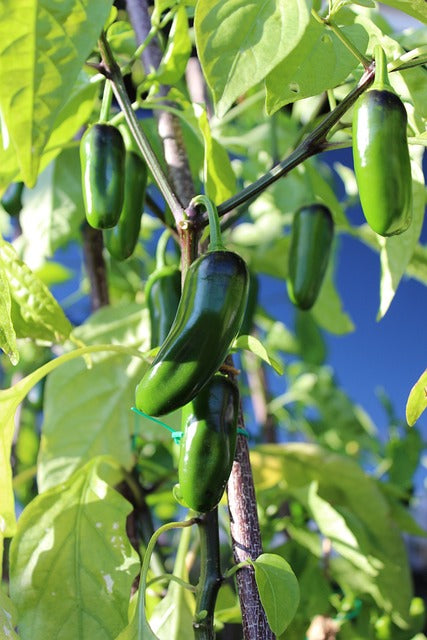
point(383, 174)
point(184, 374)
point(114, 179)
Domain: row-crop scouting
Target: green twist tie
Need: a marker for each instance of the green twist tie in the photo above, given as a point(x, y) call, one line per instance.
point(176, 435)
point(243, 432)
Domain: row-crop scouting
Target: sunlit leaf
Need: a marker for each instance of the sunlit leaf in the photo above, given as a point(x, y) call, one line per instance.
point(239, 42)
point(39, 65)
point(74, 538)
point(250, 343)
point(417, 400)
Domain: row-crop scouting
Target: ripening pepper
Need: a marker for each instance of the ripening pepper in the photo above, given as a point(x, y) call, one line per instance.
point(11, 200)
point(311, 240)
point(121, 240)
point(208, 319)
point(381, 156)
point(102, 159)
point(207, 448)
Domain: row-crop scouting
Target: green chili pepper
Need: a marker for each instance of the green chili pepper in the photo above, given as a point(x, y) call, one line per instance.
point(11, 200)
point(121, 240)
point(311, 241)
point(102, 157)
point(381, 156)
point(162, 294)
point(208, 319)
point(208, 445)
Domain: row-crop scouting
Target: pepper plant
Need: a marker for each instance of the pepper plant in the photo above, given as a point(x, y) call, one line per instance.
point(118, 419)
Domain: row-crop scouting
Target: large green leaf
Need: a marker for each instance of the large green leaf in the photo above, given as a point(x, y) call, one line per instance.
point(319, 63)
point(10, 399)
point(87, 411)
point(415, 8)
point(34, 311)
point(53, 211)
point(43, 46)
point(350, 508)
point(71, 563)
point(239, 41)
point(174, 61)
point(278, 590)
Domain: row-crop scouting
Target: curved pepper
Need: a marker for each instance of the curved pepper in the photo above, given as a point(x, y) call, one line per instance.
point(311, 241)
point(121, 240)
point(381, 157)
point(102, 158)
point(208, 445)
point(208, 319)
point(11, 200)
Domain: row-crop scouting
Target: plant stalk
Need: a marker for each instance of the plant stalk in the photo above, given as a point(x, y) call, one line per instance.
point(314, 143)
point(210, 576)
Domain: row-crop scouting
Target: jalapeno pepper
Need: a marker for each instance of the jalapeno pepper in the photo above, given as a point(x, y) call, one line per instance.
point(208, 444)
point(251, 305)
point(381, 157)
point(102, 158)
point(311, 241)
point(162, 294)
point(121, 240)
point(208, 319)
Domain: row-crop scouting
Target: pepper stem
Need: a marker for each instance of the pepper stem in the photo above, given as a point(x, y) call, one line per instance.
point(216, 243)
point(107, 99)
point(161, 249)
point(381, 81)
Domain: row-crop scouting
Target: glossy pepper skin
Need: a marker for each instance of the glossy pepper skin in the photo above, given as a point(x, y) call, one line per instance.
point(208, 319)
point(11, 200)
point(162, 295)
point(102, 159)
point(381, 161)
point(121, 240)
point(208, 445)
point(311, 241)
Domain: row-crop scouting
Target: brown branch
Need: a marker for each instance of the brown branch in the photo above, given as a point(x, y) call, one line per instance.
point(246, 540)
point(95, 266)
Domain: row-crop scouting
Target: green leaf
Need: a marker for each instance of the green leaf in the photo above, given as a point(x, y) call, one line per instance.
point(10, 399)
point(278, 590)
point(240, 42)
point(174, 61)
point(320, 62)
point(74, 538)
point(173, 616)
point(39, 65)
point(7, 332)
point(397, 251)
point(7, 617)
point(415, 8)
point(351, 508)
point(417, 400)
point(35, 312)
point(252, 344)
point(87, 411)
point(53, 273)
point(218, 174)
point(53, 211)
